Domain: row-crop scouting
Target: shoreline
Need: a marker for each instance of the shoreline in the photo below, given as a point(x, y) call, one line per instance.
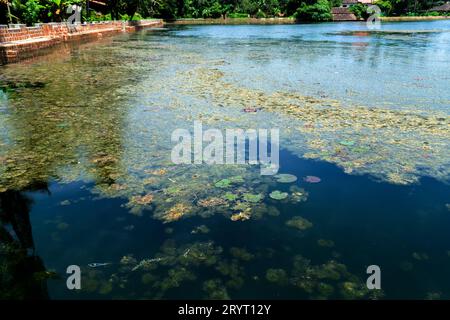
point(19, 42)
point(414, 18)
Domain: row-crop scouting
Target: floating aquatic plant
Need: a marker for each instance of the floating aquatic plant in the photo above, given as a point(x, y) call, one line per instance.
point(254, 198)
point(285, 178)
point(278, 195)
point(241, 216)
point(298, 194)
point(142, 200)
point(224, 183)
point(211, 202)
point(230, 196)
point(347, 143)
point(312, 179)
point(176, 212)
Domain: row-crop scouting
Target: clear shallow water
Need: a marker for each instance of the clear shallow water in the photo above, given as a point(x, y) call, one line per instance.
point(85, 153)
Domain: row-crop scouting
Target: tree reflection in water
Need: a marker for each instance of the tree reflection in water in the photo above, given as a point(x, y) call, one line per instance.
point(23, 274)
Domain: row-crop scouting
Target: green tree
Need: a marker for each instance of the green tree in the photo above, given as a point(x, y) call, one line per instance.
point(317, 12)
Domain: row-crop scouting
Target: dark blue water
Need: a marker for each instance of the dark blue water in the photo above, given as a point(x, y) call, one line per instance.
point(370, 223)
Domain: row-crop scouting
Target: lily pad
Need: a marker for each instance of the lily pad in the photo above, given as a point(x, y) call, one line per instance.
point(312, 179)
point(285, 178)
point(347, 143)
point(278, 195)
point(249, 197)
point(224, 183)
point(230, 196)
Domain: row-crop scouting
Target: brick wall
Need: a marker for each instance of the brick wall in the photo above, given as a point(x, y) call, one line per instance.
point(17, 40)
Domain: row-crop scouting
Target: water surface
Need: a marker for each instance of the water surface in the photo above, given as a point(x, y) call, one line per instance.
point(86, 174)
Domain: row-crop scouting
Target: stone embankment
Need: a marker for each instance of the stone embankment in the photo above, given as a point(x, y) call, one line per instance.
point(18, 42)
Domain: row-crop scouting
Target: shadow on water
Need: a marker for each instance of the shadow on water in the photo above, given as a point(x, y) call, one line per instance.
point(23, 273)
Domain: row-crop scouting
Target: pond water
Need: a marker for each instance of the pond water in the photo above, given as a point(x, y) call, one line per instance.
point(86, 174)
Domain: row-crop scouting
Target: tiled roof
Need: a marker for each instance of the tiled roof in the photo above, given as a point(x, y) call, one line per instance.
point(344, 17)
point(444, 7)
point(337, 10)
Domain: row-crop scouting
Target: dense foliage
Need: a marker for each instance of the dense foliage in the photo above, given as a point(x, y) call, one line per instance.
point(406, 7)
point(32, 11)
point(319, 11)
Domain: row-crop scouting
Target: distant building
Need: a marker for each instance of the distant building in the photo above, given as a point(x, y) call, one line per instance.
point(349, 3)
point(443, 8)
point(343, 12)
